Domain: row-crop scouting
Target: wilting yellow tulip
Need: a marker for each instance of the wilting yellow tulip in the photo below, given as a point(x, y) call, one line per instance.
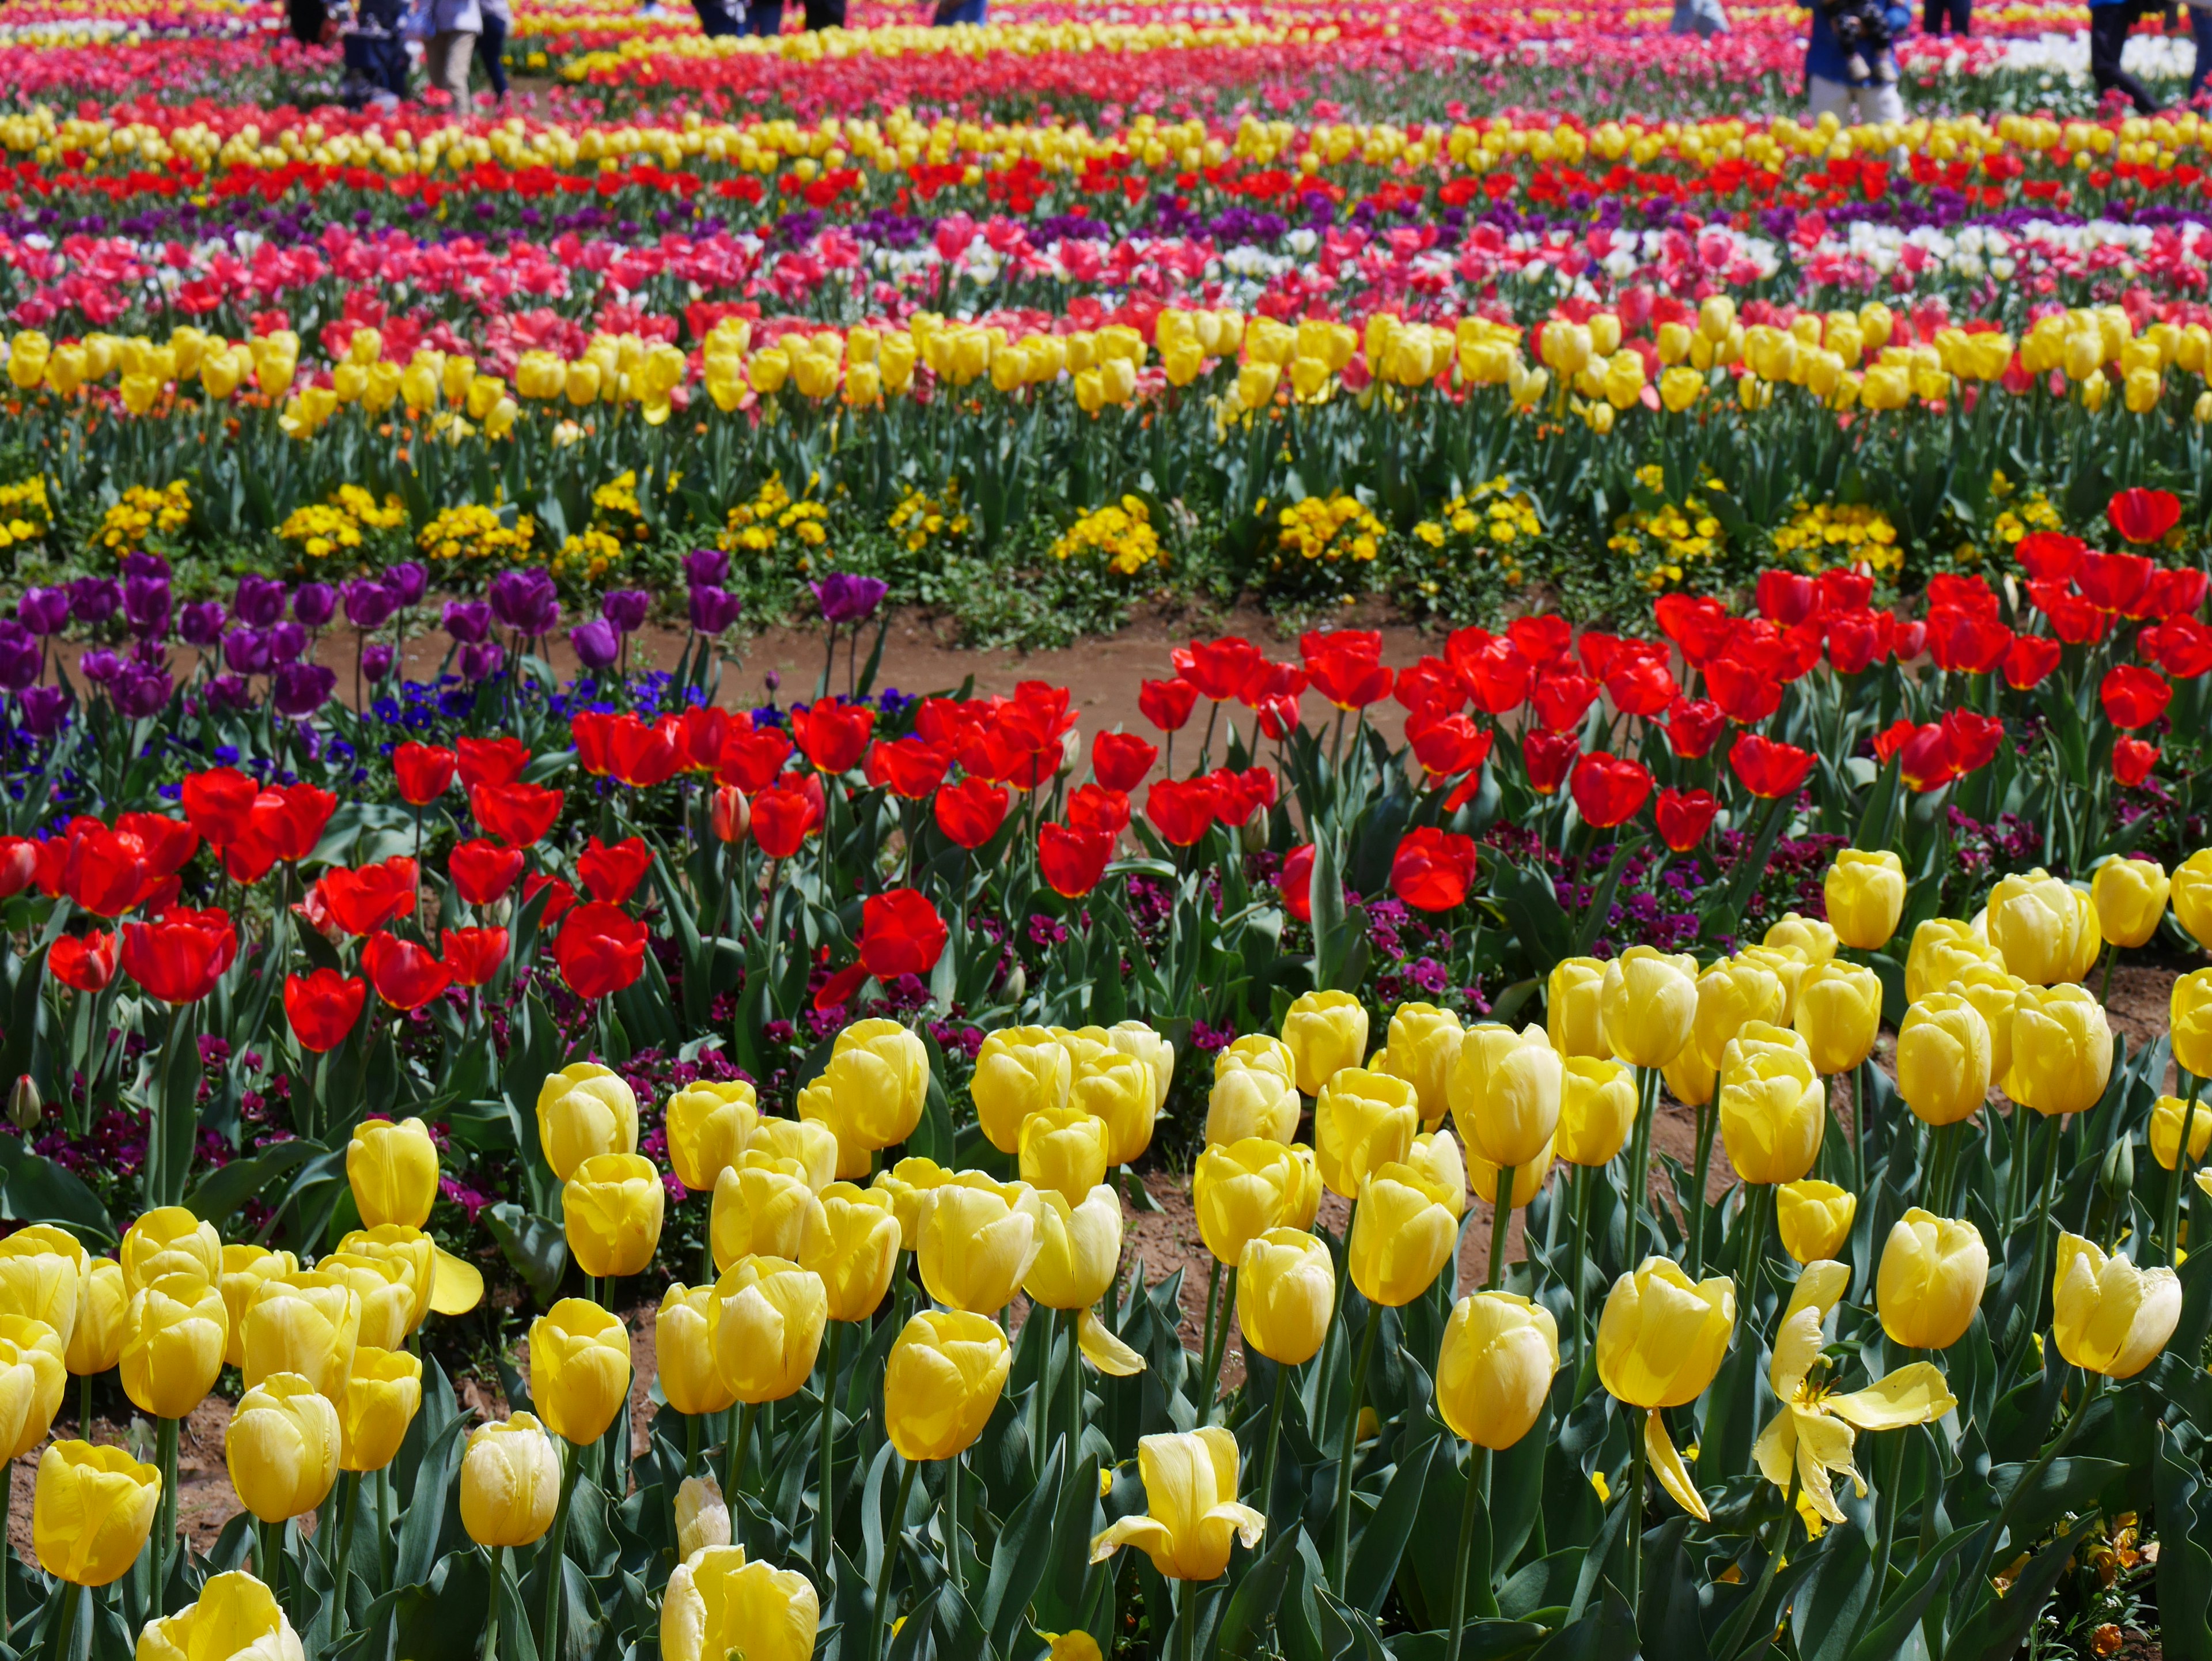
point(235, 1616)
point(946, 1369)
point(2192, 893)
point(1505, 1090)
point(1112, 1084)
point(2061, 1050)
point(1020, 1070)
point(1241, 1190)
point(1773, 1109)
point(1423, 1043)
point(1499, 1355)
point(385, 1289)
point(769, 1315)
point(1135, 1038)
point(1597, 1110)
point(1062, 1149)
point(1733, 991)
point(2190, 1020)
point(2130, 895)
point(92, 1513)
point(42, 1270)
point(1660, 1342)
point(718, 1605)
point(244, 1268)
point(306, 1323)
point(912, 1183)
point(1943, 1059)
point(1327, 1032)
point(1574, 1008)
point(683, 1342)
point(1648, 1005)
point(510, 1482)
point(1995, 995)
point(95, 1342)
point(1079, 1248)
point(708, 1125)
point(282, 1447)
point(1285, 1289)
point(2109, 1317)
point(393, 1169)
point(1943, 949)
point(978, 1242)
point(857, 1252)
point(1403, 1233)
point(1931, 1281)
point(173, 1342)
point(579, 1369)
point(32, 1376)
point(583, 1110)
point(1813, 1218)
point(1252, 1101)
point(1812, 939)
point(170, 1240)
point(2046, 928)
point(764, 1206)
point(382, 1395)
point(611, 1208)
point(1362, 1120)
point(1839, 1014)
point(1192, 1511)
point(702, 1517)
point(2168, 1115)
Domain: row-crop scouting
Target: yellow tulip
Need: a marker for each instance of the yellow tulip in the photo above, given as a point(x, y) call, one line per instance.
point(2061, 1050)
point(1943, 1059)
point(1772, 1112)
point(1574, 1008)
point(2190, 1021)
point(1648, 1005)
point(2045, 928)
point(282, 1447)
point(684, 1341)
point(1942, 950)
point(579, 1369)
point(718, 1605)
point(1813, 1218)
point(510, 1482)
point(418, 1257)
point(1285, 1289)
point(769, 1315)
point(1662, 1337)
point(2130, 895)
point(878, 1080)
point(1597, 1110)
point(95, 1342)
point(912, 1183)
point(244, 1268)
point(1020, 1070)
point(946, 1371)
point(1839, 1014)
point(1192, 1512)
point(1499, 1355)
point(393, 1169)
point(1327, 1032)
point(1733, 991)
point(1305, 1204)
point(857, 1251)
point(235, 1616)
point(708, 1125)
point(1252, 1101)
point(385, 1289)
point(583, 1110)
point(1528, 1179)
point(2168, 1115)
point(1112, 1084)
point(32, 1376)
point(382, 1395)
point(811, 1145)
point(1995, 995)
point(1691, 1082)
point(92, 1513)
point(1062, 1149)
point(306, 1323)
point(170, 1240)
point(1079, 1248)
point(1242, 1190)
point(1931, 1281)
point(42, 1270)
point(1137, 1039)
point(1362, 1119)
point(703, 1517)
point(174, 1336)
point(1504, 1091)
point(2191, 891)
point(1423, 1043)
point(766, 1207)
point(978, 1242)
point(2109, 1317)
point(1436, 1155)
point(1260, 1052)
point(1809, 937)
point(1402, 1235)
point(610, 1208)
point(1787, 965)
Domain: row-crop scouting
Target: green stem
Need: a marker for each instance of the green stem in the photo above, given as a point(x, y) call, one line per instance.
point(690, 1442)
point(491, 1625)
point(1637, 1459)
point(1477, 1468)
point(2029, 1483)
point(1205, 1337)
point(1706, 1120)
point(2171, 1233)
point(1639, 1159)
point(1755, 1203)
point(65, 1621)
point(549, 1641)
point(734, 1470)
point(1186, 1620)
point(1584, 1181)
point(882, 1623)
point(1072, 1319)
point(384, 1525)
point(1861, 1100)
point(1501, 1222)
point(823, 1492)
point(1351, 1443)
point(1274, 1440)
point(952, 1524)
point(350, 1489)
point(272, 1559)
point(165, 1438)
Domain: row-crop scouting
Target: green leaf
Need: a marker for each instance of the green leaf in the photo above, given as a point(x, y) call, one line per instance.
point(1997, 1630)
point(537, 1249)
point(222, 1191)
point(1383, 1541)
point(1601, 903)
point(1244, 1622)
point(1877, 828)
point(1020, 1556)
point(34, 1189)
point(1899, 1614)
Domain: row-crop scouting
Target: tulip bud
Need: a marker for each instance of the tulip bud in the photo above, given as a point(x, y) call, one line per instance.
point(1931, 1281)
point(306, 1324)
point(702, 1517)
point(2109, 1317)
point(1495, 1368)
point(282, 1447)
point(1402, 1235)
point(1362, 1120)
point(382, 1395)
point(25, 1110)
point(718, 1605)
point(1423, 1041)
point(1327, 1032)
point(945, 1376)
point(856, 1250)
point(1648, 1006)
point(1285, 1289)
point(1943, 1059)
point(1504, 1091)
point(1814, 1219)
point(1574, 1008)
point(170, 1240)
point(1865, 894)
point(510, 1482)
point(2045, 928)
point(1020, 1070)
point(611, 1210)
point(1839, 1014)
point(393, 1169)
point(1063, 1149)
point(708, 1125)
point(92, 1513)
point(1192, 1511)
point(173, 1342)
point(579, 1369)
point(978, 1239)
point(1942, 950)
point(2131, 896)
point(1597, 1110)
point(2061, 1050)
point(1252, 1101)
point(95, 1342)
point(731, 815)
point(1240, 1190)
point(1663, 1337)
point(1772, 1112)
point(583, 1110)
point(1079, 1248)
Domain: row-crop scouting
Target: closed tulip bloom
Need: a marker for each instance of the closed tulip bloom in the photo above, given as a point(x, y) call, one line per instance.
point(1662, 1337)
point(946, 1369)
point(1079, 1248)
point(1191, 1509)
point(718, 1605)
point(1809, 937)
point(1787, 965)
point(1402, 1235)
point(1436, 1154)
point(1062, 1149)
point(510, 1482)
point(978, 1242)
point(2191, 894)
point(2046, 928)
point(1505, 1092)
point(812, 1144)
point(387, 1292)
point(763, 1206)
point(32, 1376)
point(1113, 1086)
point(1689, 1079)
point(173, 1342)
point(1253, 1101)
point(579, 1369)
point(1499, 1355)
point(1839, 1014)
point(683, 1342)
point(768, 1317)
point(879, 1075)
point(2190, 1020)
point(1758, 1038)
point(1242, 1190)
point(2108, 1316)
point(414, 1253)
point(382, 1395)
point(1597, 1110)
point(170, 1240)
point(1020, 1070)
point(235, 1616)
point(1732, 992)
point(42, 1273)
point(1423, 1044)
point(2168, 1115)
point(1943, 1059)
point(1327, 1032)
point(1772, 1110)
point(1136, 1039)
point(1258, 1052)
point(702, 1517)
point(1285, 1289)
point(1995, 995)
point(2130, 895)
point(306, 1323)
point(708, 1125)
point(1931, 1281)
point(1574, 1008)
point(1528, 1179)
point(1305, 1204)
point(913, 1184)
point(1813, 1218)
point(92, 1513)
point(1362, 1120)
point(1649, 1005)
point(611, 1208)
point(857, 1252)
point(282, 1447)
point(584, 1109)
point(1944, 948)
point(1865, 894)
point(244, 1268)
point(95, 1342)
point(2061, 1050)
point(393, 1169)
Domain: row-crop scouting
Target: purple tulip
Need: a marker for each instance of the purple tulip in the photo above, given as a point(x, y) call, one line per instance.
point(247, 651)
point(95, 600)
point(714, 610)
point(408, 582)
point(45, 611)
point(467, 621)
point(151, 653)
point(201, 623)
point(143, 564)
point(481, 660)
point(146, 604)
point(526, 601)
point(376, 660)
point(44, 710)
point(22, 657)
point(314, 604)
point(845, 598)
point(140, 692)
point(598, 644)
point(99, 666)
point(368, 603)
point(260, 600)
point(230, 692)
point(705, 568)
point(287, 643)
point(626, 608)
point(300, 689)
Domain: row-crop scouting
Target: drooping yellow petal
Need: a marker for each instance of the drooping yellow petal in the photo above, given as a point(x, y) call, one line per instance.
point(1914, 1395)
point(1824, 1445)
point(1106, 1352)
point(1775, 1452)
point(1666, 1465)
point(1147, 1534)
point(1797, 1346)
point(458, 1285)
point(1822, 1285)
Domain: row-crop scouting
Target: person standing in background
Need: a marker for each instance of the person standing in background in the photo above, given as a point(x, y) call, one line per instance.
point(491, 45)
point(949, 12)
point(1703, 18)
point(764, 17)
point(2109, 23)
point(1960, 12)
point(716, 20)
point(448, 30)
point(1858, 86)
point(2200, 26)
point(825, 14)
point(374, 55)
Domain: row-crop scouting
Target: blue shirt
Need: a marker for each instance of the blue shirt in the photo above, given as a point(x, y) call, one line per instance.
point(1824, 55)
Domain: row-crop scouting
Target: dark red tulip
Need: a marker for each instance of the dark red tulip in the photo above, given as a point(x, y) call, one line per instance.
point(2028, 659)
point(1769, 770)
point(405, 975)
point(612, 874)
point(1432, 869)
point(490, 761)
point(701, 731)
point(2132, 760)
point(1684, 817)
point(361, 902)
point(900, 934)
point(2143, 516)
point(482, 872)
point(1167, 704)
point(473, 955)
point(1119, 761)
point(1549, 757)
point(600, 950)
point(219, 803)
point(1296, 884)
point(1073, 860)
point(970, 812)
point(1609, 790)
point(909, 768)
point(2133, 696)
point(424, 772)
point(1180, 810)
point(323, 1007)
point(520, 815)
point(83, 963)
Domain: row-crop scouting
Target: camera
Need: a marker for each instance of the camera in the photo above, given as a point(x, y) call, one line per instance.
point(1862, 31)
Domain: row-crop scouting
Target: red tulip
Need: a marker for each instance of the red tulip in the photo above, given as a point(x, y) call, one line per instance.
point(833, 736)
point(2181, 646)
point(970, 812)
point(405, 975)
point(900, 934)
point(1219, 669)
point(783, 817)
point(2076, 621)
point(592, 733)
point(323, 1007)
point(473, 955)
point(1972, 739)
point(169, 843)
point(701, 731)
point(219, 803)
point(601, 949)
point(249, 859)
point(18, 865)
point(1561, 698)
point(1609, 790)
point(1859, 640)
point(1684, 817)
point(1549, 757)
point(1432, 869)
point(1949, 591)
point(1746, 691)
point(947, 723)
point(1345, 668)
point(730, 813)
point(1448, 745)
point(1699, 626)
point(908, 768)
point(1640, 683)
point(643, 754)
point(490, 761)
point(2132, 760)
point(1119, 761)
point(2174, 593)
point(83, 963)
point(1277, 717)
point(1092, 807)
point(1925, 762)
point(2133, 696)
point(1296, 884)
point(1238, 795)
point(1844, 590)
point(361, 902)
point(2143, 516)
point(180, 958)
point(612, 874)
point(1769, 770)
point(1180, 810)
point(2028, 659)
point(1492, 669)
point(560, 897)
point(1966, 641)
point(1693, 724)
point(2048, 557)
point(291, 820)
point(752, 757)
point(2114, 583)
point(106, 872)
point(424, 772)
point(520, 815)
point(1911, 639)
point(1786, 598)
point(1542, 639)
point(1167, 704)
point(1429, 687)
point(1072, 861)
point(482, 872)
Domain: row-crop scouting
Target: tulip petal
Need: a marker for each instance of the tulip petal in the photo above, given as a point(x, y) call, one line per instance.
point(1797, 1346)
point(1106, 1352)
point(1250, 1524)
point(1776, 1451)
point(1666, 1465)
point(1147, 1534)
point(1824, 1445)
point(458, 1286)
point(1914, 1395)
